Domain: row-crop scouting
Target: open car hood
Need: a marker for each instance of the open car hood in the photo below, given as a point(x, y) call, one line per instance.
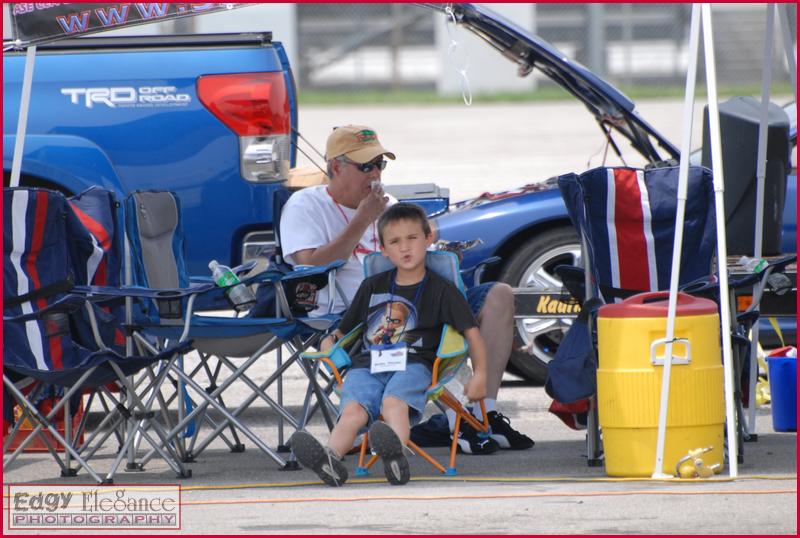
point(610, 107)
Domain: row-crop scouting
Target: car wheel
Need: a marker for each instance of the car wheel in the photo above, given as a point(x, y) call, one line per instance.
point(532, 265)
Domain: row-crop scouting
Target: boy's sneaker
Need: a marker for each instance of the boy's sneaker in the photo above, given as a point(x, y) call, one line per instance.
point(387, 445)
point(505, 435)
point(321, 459)
point(471, 441)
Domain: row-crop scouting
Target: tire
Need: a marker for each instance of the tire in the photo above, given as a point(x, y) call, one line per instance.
point(531, 265)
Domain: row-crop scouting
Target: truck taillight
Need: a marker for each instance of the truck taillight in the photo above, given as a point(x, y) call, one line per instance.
point(255, 106)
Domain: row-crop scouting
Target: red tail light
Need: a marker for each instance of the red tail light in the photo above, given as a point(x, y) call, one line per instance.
point(250, 104)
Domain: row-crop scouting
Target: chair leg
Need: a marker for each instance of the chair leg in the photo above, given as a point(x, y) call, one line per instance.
point(426, 456)
point(361, 469)
point(68, 470)
point(594, 452)
point(25, 413)
point(210, 399)
point(258, 391)
point(451, 470)
point(140, 421)
point(44, 422)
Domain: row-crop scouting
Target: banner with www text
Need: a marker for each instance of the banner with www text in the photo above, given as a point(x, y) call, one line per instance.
point(38, 23)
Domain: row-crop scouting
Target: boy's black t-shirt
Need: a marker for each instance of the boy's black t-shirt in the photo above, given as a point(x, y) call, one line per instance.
point(396, 318)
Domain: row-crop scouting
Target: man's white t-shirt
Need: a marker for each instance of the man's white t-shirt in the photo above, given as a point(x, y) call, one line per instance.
point(310, 219)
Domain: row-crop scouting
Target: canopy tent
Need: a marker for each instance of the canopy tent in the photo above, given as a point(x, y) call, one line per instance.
point(702, 14)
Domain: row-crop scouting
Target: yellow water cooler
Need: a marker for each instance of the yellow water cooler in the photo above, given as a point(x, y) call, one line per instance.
point(629, 383)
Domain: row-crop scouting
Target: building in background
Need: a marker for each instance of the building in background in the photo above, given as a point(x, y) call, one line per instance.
point(358, 47)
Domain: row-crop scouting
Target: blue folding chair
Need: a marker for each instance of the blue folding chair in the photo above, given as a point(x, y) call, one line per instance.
point(99, 212)
point(97, 209)
point(290, 298)
point(46, 250)
point(627, 217)
point(626, 220)
point(153, 222)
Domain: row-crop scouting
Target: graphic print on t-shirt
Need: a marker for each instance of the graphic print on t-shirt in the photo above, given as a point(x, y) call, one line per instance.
point(389, 319)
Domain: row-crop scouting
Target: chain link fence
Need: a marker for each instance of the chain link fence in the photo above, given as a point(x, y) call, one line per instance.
point(364, 47)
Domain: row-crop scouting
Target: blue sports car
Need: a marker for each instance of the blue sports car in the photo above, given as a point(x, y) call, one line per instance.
point(528, 229)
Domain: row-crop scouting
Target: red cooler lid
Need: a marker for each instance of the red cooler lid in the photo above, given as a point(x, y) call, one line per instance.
point(655, 305)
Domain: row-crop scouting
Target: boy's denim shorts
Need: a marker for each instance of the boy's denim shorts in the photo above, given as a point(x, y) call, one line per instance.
point(369, 390)
point(476, 296)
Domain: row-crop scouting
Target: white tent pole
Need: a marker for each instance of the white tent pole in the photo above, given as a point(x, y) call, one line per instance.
point(761, 166)
point(722, 248)
point(683, 180)
point(787, 46)
point(22, 120)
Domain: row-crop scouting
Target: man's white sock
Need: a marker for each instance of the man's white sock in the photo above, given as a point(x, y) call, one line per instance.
point(489, 403)
point(451, 419)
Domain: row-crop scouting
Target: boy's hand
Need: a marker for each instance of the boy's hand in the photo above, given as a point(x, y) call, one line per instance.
point(475, 388)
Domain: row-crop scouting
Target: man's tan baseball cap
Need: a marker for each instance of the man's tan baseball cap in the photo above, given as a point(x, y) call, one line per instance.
point(356, 142)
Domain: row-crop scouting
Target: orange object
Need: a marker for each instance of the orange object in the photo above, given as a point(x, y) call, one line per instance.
point(743, 302)
point(37, 445)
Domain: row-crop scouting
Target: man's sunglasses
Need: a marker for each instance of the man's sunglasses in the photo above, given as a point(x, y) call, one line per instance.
point(367, 167)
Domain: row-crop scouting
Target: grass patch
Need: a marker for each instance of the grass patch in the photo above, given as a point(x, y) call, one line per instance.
point(358, 96)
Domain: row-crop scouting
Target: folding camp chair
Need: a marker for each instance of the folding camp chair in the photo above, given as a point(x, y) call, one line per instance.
point(46, 250)
point(99, 212)
point(626, 220)
point(289, 298)
point(451, 356)
point(154, 228)
point(97, 209)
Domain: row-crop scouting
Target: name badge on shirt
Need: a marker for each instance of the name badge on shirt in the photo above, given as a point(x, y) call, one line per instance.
point(388, 358)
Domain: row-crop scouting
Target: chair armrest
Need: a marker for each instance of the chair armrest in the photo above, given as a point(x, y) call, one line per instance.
point(574, 279)
point(450, 356)
point(238, 271)
point(311, 270)
point(69, 303)
point(258, 278)
point(142, 292)
point(243, 268)
point(334, 360)
point(480, 268)
point(336, 357)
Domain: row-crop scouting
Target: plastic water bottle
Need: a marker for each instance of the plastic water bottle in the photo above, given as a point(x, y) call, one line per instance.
point(753, 265)
point(778, 282)
point(238, 294)
point(459, 381)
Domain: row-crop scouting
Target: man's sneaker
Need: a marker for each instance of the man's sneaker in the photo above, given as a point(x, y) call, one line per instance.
point(471, 441)
point(505, 435)
point(321, 459)
point(388, 446)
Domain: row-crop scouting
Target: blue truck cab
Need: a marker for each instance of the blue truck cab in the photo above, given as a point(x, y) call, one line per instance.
point(212, 118)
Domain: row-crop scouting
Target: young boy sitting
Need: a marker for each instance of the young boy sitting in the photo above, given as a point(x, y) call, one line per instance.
point(403, 310)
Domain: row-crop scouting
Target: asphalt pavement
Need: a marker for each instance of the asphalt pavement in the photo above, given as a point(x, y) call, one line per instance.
point(548, 489)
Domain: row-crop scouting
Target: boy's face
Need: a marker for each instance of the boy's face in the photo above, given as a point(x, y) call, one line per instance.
point(405, 243)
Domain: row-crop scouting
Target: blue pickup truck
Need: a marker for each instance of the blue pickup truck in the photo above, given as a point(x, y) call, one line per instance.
point(219, 128)
point(211, 118)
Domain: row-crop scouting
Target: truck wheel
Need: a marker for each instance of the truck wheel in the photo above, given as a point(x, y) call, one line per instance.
point(531, 265)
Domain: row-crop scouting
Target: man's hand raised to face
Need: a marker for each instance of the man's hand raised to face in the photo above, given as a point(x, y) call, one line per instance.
point(372, 206)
